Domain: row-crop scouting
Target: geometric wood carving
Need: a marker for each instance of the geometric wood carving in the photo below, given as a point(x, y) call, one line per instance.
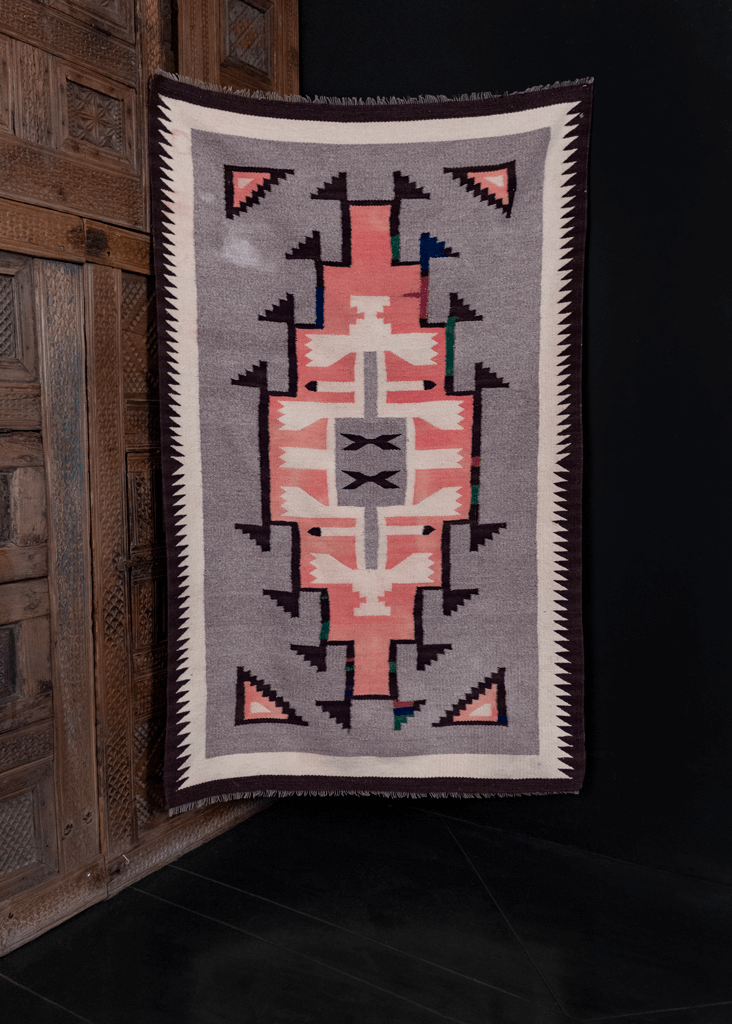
point(245, 44)
point(33, 114)
point(139, 337)
point(18, 829)
point(94, 117)
point(18, 348)
point(40, 26)
point(112, 17)
point(21, 746)
point(111, 598)
point(145, 499)
point(28, 853)
point(8, 315)
point(97, 116)
point(6, 122)
point(149, 747)
point(26, 674)
point(248, 36)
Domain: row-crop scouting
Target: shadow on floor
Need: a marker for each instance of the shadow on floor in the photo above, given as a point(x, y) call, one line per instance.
point(376, 911)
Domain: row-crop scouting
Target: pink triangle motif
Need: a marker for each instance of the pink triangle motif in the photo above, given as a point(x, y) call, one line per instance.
point(245, 184)
point(483, 709)
point(495, 183)
point(256, 701)
point(257, 706)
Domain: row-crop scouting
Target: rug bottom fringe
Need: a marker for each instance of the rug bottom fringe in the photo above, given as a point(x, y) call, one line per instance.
point(260, 794)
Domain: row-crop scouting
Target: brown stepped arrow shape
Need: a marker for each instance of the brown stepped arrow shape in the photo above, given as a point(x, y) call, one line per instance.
point(315, 656)
point(336, 188)
point(404, 188)
point(308, 249)
point(339, 711)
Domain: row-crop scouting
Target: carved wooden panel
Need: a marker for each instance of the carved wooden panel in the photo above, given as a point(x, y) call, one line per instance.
point(74, 137)
point(43, 232)
point(56, 32)
point(144, 503)
point(148, 626)
point(25, 523)
point(140, 342)
point(31, 175)
point(146, 540)
point(26, 729)
point(97, 117)
point(32, 98)
point(94, 117)
point(113, 17)
point(28, 852)
point(245, 44)
point(248, 36)
point(26, 696)
point(49, 903)
point(149, 738)
point(61, 331)
point(8, 662)
point(34, 743)
point(5, 72)
point(111, 598)
point(17, 323)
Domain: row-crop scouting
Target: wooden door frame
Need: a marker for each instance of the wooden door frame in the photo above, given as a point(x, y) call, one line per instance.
point(79, 767)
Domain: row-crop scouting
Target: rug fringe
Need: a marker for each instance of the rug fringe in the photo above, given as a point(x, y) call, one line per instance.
point(259, 794)
point(370, 101)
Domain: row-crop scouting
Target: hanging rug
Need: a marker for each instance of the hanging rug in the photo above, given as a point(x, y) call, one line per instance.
point(370, 321)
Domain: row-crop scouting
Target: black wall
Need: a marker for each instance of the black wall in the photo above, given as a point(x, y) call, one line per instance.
point(657, 384)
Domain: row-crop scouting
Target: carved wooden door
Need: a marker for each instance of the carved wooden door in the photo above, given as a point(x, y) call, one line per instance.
point(82, 568)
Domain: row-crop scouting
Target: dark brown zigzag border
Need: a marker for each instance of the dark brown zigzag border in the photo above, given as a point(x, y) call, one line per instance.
point(570, 465)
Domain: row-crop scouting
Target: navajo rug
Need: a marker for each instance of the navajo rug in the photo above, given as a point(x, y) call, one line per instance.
point(370, 319)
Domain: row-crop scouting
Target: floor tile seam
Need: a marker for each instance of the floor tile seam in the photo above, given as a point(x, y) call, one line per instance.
point(362, 938)
point(579, 849)
point(645, 1013)
point(508, 923)
point(45, 999)
point(302, 956)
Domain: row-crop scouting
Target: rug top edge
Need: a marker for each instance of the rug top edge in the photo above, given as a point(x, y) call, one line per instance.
point(166, 83)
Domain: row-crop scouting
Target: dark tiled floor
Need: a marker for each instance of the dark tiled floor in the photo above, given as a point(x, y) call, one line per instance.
point(370, 911)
